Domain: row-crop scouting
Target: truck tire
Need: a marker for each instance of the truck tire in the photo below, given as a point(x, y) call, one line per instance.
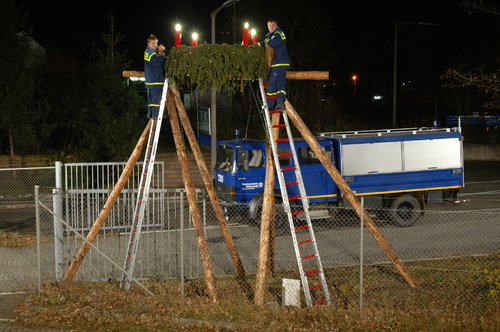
point(404, 211)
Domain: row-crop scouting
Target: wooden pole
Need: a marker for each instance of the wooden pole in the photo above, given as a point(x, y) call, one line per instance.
point(214, 199)
point(290, 75)
point(193, 203)
point(103, 215)
point(268, 216)
point(351, 197)
point(307, 75)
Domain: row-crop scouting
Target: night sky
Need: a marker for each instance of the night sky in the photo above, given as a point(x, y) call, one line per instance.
point(362, 33)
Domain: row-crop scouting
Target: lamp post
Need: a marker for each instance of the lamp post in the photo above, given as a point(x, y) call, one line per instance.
point(354, 79)
point(213, 99)
point(394, 81)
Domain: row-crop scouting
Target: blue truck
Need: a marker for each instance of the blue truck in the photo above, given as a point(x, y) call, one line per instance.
point(398, 171)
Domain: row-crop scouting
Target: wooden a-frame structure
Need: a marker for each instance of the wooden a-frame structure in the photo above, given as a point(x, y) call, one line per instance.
point(176, 111)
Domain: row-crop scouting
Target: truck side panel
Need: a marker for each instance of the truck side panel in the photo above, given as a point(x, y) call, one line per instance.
point(403, 156)
point(391, 183)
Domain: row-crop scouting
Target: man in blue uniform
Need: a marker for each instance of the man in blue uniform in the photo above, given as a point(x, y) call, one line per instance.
point(154, 59)
point(276, 83)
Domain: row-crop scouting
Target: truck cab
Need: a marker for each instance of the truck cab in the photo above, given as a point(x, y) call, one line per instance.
point(241, 168)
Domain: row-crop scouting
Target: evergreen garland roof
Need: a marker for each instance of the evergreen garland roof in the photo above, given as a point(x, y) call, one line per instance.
point(215, 65)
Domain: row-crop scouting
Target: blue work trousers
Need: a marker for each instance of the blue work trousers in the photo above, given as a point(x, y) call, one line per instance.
point(276, 86)
point(154, 100)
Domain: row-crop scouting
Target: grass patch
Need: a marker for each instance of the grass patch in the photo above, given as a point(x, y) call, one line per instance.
point(453, 295)
point(16, 240)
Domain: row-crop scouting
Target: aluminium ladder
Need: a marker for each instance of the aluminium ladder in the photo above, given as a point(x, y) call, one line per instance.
point(143, 194)
point(306, 251)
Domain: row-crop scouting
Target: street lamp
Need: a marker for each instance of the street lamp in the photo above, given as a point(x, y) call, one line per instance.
point(354, 79)
point(213, 106)
point(394, 82)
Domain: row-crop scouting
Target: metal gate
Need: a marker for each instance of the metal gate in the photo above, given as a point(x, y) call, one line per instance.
point(167, 242)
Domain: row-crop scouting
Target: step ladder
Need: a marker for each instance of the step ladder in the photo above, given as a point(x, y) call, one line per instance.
point(304, 242)
point(143, 193)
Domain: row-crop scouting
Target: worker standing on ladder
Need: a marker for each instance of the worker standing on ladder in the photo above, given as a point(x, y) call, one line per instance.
point(154, 59)
point(276, 83)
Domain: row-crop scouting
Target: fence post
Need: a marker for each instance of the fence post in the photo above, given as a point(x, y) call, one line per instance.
point(38, 240)
point(361, 262)
point(182, 243)
point(58, 226)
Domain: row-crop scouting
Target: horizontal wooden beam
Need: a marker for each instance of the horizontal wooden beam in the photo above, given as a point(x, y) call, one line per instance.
point(132, 73)
point(307, 75)
point(291, 75)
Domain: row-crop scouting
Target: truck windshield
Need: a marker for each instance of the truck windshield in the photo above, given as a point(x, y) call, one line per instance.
point(252, 158)
point(225, 158)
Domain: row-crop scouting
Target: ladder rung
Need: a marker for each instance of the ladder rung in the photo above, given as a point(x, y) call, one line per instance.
point(288, 168)
point(282, 140)
point(310, 256)
point(290, 183)
point(132, 243)
point(320, 301)
point(316, 286)
point(312, 271)
point(285, 154)
point(298, 212)
point(304, 242)
point(294, 197)
point(279, 125)
point(300, 227)
point(275, 111)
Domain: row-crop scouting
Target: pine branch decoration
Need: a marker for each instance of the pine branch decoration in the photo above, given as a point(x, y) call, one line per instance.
point(215, 65)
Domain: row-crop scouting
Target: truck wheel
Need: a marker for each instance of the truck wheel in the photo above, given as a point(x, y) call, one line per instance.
point(404, 211)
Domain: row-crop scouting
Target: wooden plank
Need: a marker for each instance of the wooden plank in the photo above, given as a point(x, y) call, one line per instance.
point(290, 75)
point(308, 75)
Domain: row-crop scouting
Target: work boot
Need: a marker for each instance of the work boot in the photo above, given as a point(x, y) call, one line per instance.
point(279, 106)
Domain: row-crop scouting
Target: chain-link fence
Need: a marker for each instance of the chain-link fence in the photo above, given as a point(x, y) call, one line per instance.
point(18, 251)
point(451, 247)
point(445, 249)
